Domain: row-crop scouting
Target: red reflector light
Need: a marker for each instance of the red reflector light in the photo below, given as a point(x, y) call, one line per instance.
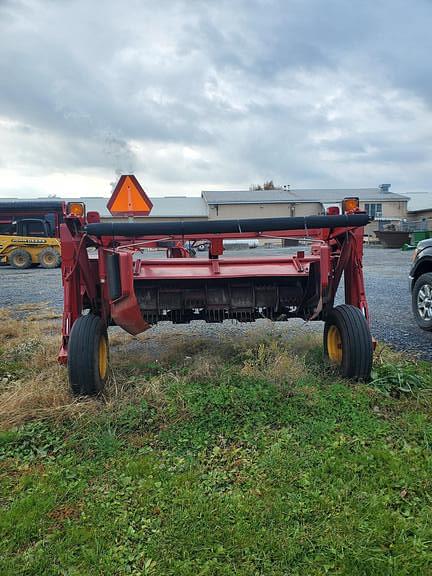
point(93, 217)
point(333, 211)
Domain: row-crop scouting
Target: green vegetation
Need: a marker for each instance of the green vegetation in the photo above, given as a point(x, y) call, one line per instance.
point(240, 457)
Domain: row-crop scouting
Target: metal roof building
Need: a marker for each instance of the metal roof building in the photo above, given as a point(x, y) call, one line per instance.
point(379, 203)
point(281, 196)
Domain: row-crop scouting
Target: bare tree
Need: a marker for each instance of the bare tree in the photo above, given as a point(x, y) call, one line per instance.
point(268, 185)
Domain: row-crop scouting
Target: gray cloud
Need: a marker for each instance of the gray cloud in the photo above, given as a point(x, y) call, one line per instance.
point(218, 93)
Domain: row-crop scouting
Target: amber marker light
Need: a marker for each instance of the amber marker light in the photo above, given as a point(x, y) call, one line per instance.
point(76, 209)
point(350, 204)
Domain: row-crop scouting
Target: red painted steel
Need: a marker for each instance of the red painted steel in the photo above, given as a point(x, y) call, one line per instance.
point(333, 252)
point(184, 269)
point(125, 311)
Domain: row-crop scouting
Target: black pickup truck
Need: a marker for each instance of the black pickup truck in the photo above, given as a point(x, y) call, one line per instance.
point(420, 283)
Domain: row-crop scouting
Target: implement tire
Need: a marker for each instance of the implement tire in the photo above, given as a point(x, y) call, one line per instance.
point(49, 258)
point(20, 259)
point(348, 342)
point(88, 356)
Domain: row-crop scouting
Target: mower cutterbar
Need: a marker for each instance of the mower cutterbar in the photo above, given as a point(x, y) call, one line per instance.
point(118, 288)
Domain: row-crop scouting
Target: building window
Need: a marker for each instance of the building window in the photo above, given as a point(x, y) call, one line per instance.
point(374, 210)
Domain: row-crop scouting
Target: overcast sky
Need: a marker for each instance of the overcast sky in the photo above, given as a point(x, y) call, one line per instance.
point(192, 95)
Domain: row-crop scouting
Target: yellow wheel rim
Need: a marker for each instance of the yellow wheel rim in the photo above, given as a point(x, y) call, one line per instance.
point(334, 345)
point(103, 357)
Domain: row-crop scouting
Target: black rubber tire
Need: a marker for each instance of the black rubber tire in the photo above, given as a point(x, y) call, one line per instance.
point(85, 378)
point(356, 341)
point(419, 283)
point(49, 258)
point(20, 259)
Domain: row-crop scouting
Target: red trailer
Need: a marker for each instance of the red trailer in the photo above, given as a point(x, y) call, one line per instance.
point(123, 287)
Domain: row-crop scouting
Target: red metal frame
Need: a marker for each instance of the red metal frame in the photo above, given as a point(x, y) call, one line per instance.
point(335, 251)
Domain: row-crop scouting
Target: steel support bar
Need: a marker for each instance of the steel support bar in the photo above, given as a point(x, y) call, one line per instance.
point(355, 293)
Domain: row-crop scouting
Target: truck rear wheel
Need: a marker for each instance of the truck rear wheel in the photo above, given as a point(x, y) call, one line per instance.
point(88, 356)
point(348, 342)
point(49, 258)
point(20, 259)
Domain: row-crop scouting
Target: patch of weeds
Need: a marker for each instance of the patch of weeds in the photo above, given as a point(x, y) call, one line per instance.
point(133, 417)
point(32, 441)
point(9, 371)
point(399, 379)
point(233, 405)
point(314, 360)
point(7, 437)
point(226, 467)
point(180, 349)
point(131, 367)
point(273, 360)
point(23, 350)
point(94, 438)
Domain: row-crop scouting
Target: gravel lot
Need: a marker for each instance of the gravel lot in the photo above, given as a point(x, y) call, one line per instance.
point(386, 273)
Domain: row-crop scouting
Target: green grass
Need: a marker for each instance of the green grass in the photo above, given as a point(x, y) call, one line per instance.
point(247, 458)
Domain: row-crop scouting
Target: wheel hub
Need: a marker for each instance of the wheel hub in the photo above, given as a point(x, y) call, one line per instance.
point(103, 357)
point(424, 302)
point(334, 345)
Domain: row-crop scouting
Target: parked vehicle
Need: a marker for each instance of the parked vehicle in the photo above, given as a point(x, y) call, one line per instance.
point(420, 283)
point(30, 243)
point(30, 231)
point(49, 211)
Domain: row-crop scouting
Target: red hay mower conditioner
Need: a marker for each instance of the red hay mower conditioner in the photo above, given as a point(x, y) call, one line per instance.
point(123, 288)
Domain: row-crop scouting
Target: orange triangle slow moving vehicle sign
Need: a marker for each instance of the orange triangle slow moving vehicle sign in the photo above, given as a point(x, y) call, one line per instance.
point(128, 198)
